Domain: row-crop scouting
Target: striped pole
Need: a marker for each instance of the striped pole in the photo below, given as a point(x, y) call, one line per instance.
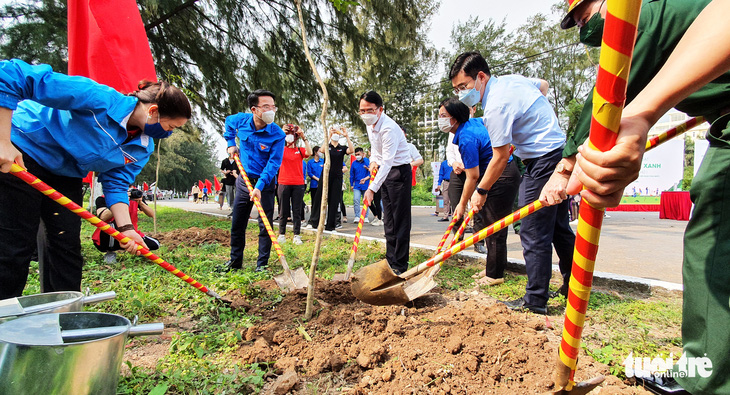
point(265, 220)
point(44, 188)
point(608, 100)
point(358, 232)
point(446, 234)
point(481, 235)
point(675, 131)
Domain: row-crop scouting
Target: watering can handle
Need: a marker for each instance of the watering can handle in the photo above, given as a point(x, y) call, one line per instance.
point(147, 329)
point(102, 297)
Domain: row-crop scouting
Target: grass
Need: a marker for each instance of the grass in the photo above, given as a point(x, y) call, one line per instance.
point(201, 357)
point(640, 200)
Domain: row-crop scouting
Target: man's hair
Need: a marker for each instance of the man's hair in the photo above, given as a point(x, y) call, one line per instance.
point(471, 62)
point(315, 149)
point(359, 149)
point(458, 110)
point(253, 97)
point(372, 97)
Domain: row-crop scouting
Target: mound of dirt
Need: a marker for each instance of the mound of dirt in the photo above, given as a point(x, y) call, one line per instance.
point(435, 345)
point(194, 237)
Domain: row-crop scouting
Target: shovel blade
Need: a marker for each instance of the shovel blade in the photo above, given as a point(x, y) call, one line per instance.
point(378, 285)
point(292, 280)
point(583, 387)
point(347, 275)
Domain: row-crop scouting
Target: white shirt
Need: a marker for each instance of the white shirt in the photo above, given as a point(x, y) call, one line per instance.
point(452, 152)
point(389, 148)
point(413, 152)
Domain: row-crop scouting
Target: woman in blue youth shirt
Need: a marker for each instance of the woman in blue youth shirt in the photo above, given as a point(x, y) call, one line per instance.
point(471, 136)
point(61, 127)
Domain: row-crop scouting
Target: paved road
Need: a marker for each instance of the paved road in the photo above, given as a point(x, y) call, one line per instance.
point(632, 244)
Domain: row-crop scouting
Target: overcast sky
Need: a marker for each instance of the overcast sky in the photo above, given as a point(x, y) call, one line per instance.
point(452, 11)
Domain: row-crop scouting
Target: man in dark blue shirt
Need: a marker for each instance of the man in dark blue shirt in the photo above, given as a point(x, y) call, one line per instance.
point(359, 180)
point(261, 151)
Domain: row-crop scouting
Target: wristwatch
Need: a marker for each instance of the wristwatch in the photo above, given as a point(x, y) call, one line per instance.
point(482, 191)
point(560, 168)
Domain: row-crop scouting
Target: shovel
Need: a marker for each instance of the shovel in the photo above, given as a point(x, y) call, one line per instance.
point(435, 269)
point(376, 284)
point(290, 280)
point(44, 188)
point(339, 277)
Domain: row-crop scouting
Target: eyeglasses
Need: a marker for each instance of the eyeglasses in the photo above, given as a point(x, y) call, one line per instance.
point(367, 110)
point(463, 87)
point(267, 107)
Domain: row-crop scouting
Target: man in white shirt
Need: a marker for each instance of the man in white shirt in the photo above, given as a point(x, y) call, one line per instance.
point(391, 156)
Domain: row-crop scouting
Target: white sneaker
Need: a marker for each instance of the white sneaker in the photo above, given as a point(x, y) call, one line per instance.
point(298, 240)
point(309, 226)
point(367, 221)
point(344, 220)
point(281, 239)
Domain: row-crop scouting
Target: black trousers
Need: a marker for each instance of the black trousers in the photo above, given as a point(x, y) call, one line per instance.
point(375, 205)
point(21, 210)
point(316, 207)
point(242, 205)
point(499, 205)
point(396, 192)
point(290, 197)
point(543, 230)
point(334, 198)
point(456, 187)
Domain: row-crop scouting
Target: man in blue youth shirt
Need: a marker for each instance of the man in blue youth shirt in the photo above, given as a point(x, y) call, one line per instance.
point(261, 151)
point(359, 179)
point(516, 111)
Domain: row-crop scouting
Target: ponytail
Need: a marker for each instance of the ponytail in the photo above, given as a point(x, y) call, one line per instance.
point(170, 100)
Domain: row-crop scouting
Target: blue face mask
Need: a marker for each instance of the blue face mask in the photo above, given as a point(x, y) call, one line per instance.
point(155, 130)
point(470, 97)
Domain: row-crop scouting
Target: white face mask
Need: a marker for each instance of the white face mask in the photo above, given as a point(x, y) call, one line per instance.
point(358, 157)
point(369, 119)
point(335, 138)
point(445, 124)
point(268, 117)
point(289, 138)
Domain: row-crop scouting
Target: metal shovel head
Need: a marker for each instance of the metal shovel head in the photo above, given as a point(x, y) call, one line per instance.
point(292, 280)
point(378, 285)
point(347, 275)
point(581, 388)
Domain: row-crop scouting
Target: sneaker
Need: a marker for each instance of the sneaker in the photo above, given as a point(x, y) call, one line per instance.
point(309, 226)
point(605, 215)
point(562, 291)
point(377, 222)
point(367, 221)
point(110, 258)
point(228, 267)
point(344, 219)
point(521, 305)
point(443, 220)
point(281, 239)
point(298, 240)
point(480, 248)
point(339, 225)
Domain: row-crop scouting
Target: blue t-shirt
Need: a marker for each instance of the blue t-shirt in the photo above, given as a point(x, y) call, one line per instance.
point(474, 145)
point(314, 168)
point(445, 172)
point(358, 171)
point(261, 150)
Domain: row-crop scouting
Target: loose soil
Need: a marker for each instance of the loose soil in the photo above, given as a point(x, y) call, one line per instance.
point(195, 237)
point(457, 344)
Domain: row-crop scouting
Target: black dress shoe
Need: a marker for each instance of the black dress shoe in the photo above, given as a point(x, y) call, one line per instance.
point(443, 220)
point(228, 266)
point(261, 268)
point(521, 305)
point(562, 291)
point(480, 248)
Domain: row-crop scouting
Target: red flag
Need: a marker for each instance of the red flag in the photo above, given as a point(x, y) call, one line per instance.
point(200, 185)
point(89, 177)
point(107, 43)
point(145, 187)
point(209, 185)
point(217, 184)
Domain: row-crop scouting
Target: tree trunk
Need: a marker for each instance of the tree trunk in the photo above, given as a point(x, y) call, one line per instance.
point(324, 180)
